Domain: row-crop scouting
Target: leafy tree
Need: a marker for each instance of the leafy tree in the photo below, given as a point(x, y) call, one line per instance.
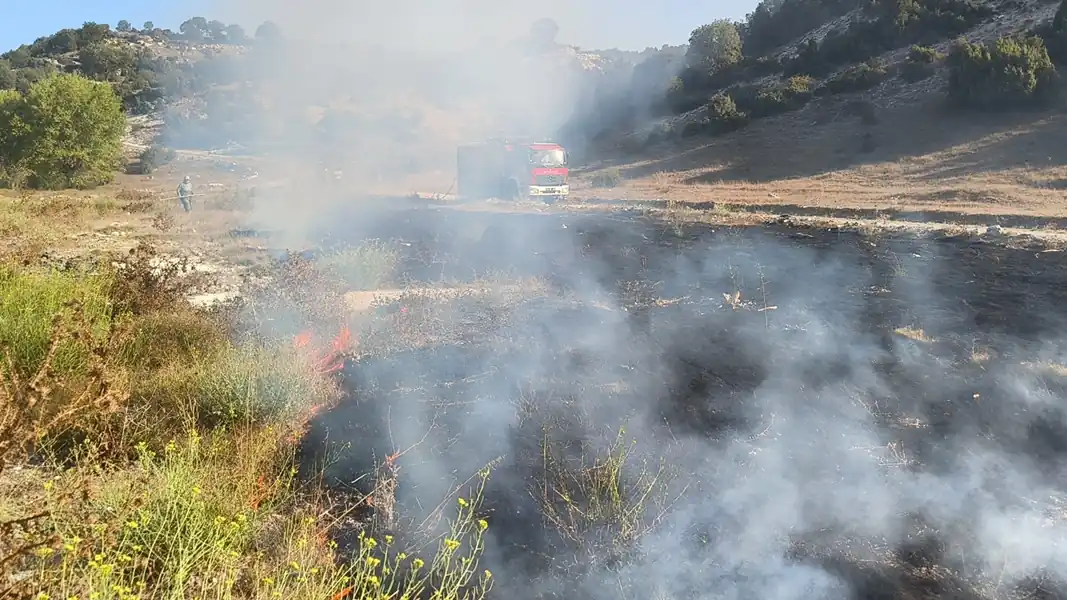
point(235, 34)
point(194, 29)
point(91, 33)
point(714, 46)
point(12, 130)
point(215, 30)
point(123, 25)
point(7, 75)
point(1010, 72)
point(66, 132)
point(268, 31)
point(107, 62)
point(148, 26)
point(27, 76)
point(61, 42)
point(19, 57)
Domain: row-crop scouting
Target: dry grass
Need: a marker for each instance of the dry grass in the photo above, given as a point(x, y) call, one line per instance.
point(926, 160)
point(602, 503)
point(913, 333)
point(144, 453)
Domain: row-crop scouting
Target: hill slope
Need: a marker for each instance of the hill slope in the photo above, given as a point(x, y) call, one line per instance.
point(873, 132)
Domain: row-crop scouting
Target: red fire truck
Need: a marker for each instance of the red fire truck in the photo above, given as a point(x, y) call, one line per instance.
point(511, 170)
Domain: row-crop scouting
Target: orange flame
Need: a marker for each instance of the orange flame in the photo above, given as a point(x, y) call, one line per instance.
point(331, 358)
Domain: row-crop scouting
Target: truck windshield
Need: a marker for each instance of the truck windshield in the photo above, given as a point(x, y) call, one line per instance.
point(548, 158)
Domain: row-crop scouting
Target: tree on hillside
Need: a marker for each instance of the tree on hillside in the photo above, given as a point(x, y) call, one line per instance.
point(107, 62)
point(19, 57)
point(1010, 72)
point(268, 31)
point(12, 131)
point(7, 75)
point(216, 30)
point(123, 25)
point(148, 26)
point(235, 34)
point(66, 132)
point(714, 46)
point(194, 29)
point(91, 32)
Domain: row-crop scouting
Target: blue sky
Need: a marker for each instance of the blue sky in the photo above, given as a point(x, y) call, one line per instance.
point(630, 24)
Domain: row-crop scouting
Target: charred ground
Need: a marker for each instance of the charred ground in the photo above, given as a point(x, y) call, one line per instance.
point(792, 413)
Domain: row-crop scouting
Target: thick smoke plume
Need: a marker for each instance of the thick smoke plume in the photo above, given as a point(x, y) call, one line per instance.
point(809, 452)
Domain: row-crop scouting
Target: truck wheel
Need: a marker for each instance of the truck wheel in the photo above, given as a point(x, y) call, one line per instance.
point(550, 199)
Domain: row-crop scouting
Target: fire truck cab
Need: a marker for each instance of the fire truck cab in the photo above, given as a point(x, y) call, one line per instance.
point(510, 170)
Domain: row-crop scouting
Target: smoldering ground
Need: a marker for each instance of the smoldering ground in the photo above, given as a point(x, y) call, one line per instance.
point(777, 437)
point(785, 442)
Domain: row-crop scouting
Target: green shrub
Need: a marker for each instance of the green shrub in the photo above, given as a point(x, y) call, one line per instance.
point(856, 79)
point(789, 95)
point(889, 24)
point(723, 115)
point(920, 63)
point(1013, 71)
point(29, 303)
point(153, 157)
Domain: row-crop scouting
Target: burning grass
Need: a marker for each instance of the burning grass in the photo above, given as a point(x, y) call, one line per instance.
point(214, 455)
point(145, 453)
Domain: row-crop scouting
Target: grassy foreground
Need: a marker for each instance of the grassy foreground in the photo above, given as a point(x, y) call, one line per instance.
point(145, 454)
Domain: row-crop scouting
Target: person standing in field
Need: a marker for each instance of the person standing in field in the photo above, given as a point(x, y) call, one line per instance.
point(185, 193)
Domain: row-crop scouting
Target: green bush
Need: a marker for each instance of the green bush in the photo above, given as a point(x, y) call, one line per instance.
point(153, 157)
point(29, 304)
point(856, 79)
point(722, 117)
point(1013, 71)
point(787, 96)
point(65, 132)
point(920, 63)
point(889, 24)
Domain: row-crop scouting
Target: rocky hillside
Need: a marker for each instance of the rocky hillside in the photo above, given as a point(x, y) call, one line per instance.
point(799, 57)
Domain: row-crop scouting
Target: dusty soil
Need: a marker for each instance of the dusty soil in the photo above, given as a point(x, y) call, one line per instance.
point(920, 157)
